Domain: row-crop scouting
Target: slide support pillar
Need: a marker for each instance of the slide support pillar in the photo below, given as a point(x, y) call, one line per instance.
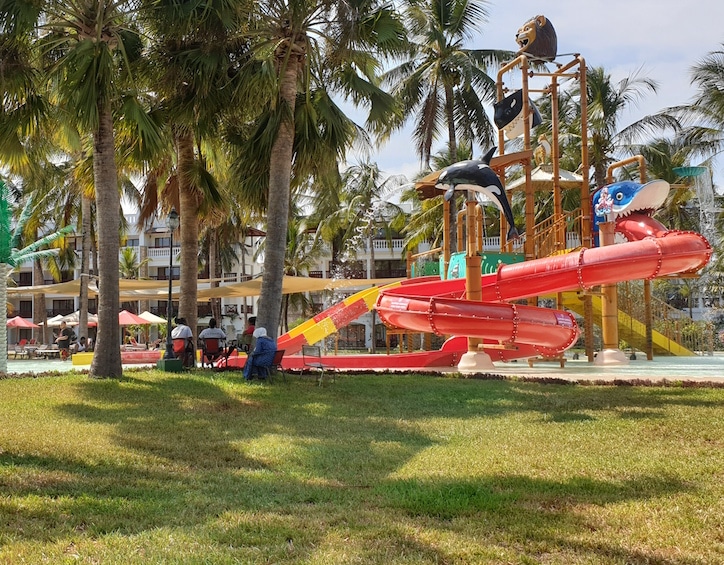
point(475, 359)
point(611, 354)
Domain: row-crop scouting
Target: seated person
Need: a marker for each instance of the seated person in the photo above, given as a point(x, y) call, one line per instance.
point(82, 345)
point(263, 353)
point(247, 334)
point(182, 331)
point(212, 332)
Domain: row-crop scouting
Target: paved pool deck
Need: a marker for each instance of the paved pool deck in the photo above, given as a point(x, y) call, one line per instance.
point(700, 368)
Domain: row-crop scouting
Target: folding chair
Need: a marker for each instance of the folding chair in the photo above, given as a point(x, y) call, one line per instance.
point(245, 342)
point(187, 355)
point(210, 351)
point(312, 358)
point(275, 366)
point(223, 364)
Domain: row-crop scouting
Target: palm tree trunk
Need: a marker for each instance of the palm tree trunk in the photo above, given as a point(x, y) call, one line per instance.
point(453, 151)
point(4, 270)
point(280, 171)
point(373, 275)
point(107, 356)
point(189, 218)
point(40, 314)
point(214, 273)
point(84, 266)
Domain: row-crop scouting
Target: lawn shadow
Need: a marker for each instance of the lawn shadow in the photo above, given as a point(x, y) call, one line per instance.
point(205, 446)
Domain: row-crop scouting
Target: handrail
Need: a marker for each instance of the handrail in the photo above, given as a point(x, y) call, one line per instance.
point(671, 322)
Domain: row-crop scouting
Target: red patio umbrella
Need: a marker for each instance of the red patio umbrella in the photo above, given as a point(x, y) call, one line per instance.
point(126, 318)
point(20, 322)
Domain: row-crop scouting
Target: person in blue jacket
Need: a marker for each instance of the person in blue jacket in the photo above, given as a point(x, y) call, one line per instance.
point(263, 353)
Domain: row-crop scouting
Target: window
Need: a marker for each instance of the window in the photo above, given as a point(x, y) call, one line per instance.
point(162, 241)
point(163, 273)
point(26, 279)
point(390, 268)
point(26, 309)
point(133, 242)
point(352, 337)
point(63, 307)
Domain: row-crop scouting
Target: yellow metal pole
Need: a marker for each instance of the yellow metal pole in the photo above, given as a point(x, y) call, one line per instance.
point(475, 359)
point(462, 214)
point(445, 238)
point(649, 321)
point(611, 354)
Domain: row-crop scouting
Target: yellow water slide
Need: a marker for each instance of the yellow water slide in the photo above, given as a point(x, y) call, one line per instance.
point(331, 320)
point(630, 329)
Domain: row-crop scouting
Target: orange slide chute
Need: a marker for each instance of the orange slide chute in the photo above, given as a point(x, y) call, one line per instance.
point(440, 306)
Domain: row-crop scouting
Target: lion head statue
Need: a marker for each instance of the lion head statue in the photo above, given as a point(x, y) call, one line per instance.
point(537, 39)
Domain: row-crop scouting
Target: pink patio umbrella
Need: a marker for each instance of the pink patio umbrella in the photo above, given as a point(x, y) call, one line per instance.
point(126, 318)
point(20, 322)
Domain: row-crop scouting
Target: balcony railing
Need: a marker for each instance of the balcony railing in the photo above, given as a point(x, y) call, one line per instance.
point(162, 252)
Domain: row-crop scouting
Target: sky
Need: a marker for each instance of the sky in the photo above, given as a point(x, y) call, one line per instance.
point(662, 39)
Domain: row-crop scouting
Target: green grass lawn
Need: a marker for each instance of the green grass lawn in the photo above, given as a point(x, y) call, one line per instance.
point(204, 468)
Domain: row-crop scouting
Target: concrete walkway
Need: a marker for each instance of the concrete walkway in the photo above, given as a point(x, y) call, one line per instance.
point(697, 369)
point(704, 368)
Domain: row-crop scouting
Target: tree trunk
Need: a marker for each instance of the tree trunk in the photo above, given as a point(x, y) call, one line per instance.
point(189, 222)
point(40, 313)
point(373, 275)
point(84, 266)
point(453, 151)
point(280, 171)
point(4, 270)
point(107, 357)
point(214, 272)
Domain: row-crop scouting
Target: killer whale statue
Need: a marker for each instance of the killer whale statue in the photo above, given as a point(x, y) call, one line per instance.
point(630, 202)
point(476, 175)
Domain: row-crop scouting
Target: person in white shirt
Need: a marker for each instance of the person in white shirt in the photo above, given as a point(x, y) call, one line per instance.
point(182, 331)
point(213, 332)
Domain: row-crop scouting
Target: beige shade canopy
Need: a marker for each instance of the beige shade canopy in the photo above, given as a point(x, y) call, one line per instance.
point(158, 290)
point(152, 318)
point(74, 319)
point(542, 179)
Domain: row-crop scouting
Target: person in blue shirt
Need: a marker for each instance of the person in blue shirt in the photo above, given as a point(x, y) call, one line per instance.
point(263, 353)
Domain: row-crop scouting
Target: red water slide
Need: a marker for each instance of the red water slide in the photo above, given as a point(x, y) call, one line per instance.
point(523, 331)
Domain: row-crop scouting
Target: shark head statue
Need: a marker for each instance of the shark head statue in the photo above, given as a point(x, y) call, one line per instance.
point(477, 176)
point(631, 206)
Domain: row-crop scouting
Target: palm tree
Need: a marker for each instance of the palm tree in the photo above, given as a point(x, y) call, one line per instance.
point(662, 156)
point(195, 56)
point(704, 116)
point(309, 49)
point(11, 256)
point(607, 102)
point(303, 252)
point(366, 207)
point(444, 85)
point(366, 210)
point(88, 48)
